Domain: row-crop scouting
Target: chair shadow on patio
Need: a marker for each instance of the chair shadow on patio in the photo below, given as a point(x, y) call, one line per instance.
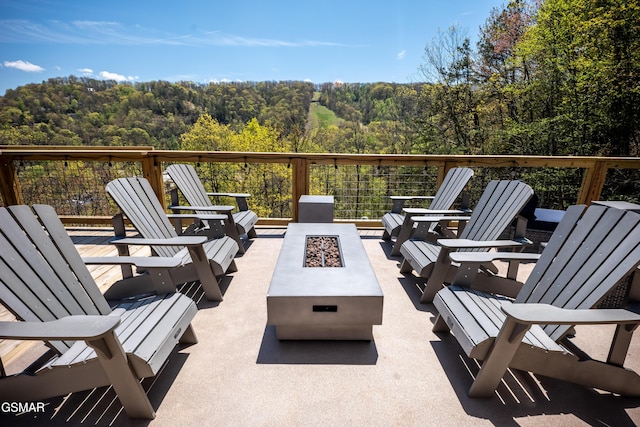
point(100, 406)
point(522, 394)
point(387, 247)
point(273, 351)
point(413, 287)
point(195, 291)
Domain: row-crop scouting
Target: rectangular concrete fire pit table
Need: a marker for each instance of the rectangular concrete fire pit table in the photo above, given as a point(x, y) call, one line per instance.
point(323, 302)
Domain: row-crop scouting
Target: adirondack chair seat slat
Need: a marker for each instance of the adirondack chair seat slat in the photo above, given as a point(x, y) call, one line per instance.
point(420, 255)
point(148, 332)
point(475, 318)
point(392, 222)
point(245, 220)
point(138, 317)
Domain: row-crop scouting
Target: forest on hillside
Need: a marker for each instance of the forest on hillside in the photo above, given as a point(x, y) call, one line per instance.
point(553, 77)
point(559, 77)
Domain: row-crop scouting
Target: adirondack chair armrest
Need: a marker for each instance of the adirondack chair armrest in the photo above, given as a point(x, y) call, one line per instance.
point(201, 217)
point(529, 314)
point(217, 208)
point(438, 218)
point(173, 241)
point(424, 211)
point(140, 262)
point(230, 194)
point(485, 257)
point(411, 197)
point(476, 244)
point(398, 201)
point(83, 327)
point(241, 199)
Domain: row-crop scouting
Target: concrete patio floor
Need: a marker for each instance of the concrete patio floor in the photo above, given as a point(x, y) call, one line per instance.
point(239, 374)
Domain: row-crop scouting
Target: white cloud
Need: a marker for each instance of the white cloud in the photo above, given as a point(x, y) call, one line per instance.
point(108, 32)
point(218, 39)
point(401, 55)
point(107, 75)
point(23, 66)
point(85, 71)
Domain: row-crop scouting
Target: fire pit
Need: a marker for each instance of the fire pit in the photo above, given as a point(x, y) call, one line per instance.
point(323, 286)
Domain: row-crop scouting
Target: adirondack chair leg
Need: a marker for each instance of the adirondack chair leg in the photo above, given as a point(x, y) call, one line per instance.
point(440, 325)
point(447, 232)
point(232, 267)
point(405, 267)
point(203, 269)
point(466, 274)
point(512, 270)
point(497, 361)
point(620, 344)
point(123, 250)
point(252, 233)
point(126, 385)
point(437, 277)
point(231, 230)
point(386, 236)
point(177, 225)
point(403, 235)
point(162, 280)
point(189, 336)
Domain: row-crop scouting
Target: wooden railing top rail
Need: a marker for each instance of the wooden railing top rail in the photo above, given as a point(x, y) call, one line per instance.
point(135, 153)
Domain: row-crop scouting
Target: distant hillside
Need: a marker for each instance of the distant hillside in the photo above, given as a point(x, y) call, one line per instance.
point(80, 111)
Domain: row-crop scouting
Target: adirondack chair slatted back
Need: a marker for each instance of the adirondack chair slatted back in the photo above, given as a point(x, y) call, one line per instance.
point(498, 206)
point(138, 202)
point(42, 276)
point(453, 184)
point(581, 264)
point(187, 180)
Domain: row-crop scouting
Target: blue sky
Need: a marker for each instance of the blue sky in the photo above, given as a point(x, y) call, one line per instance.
point(212, 41)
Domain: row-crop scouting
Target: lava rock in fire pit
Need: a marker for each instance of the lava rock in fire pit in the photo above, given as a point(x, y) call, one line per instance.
point(322, 251)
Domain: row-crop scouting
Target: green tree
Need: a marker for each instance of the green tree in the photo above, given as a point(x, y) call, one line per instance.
point(451, 103)
point(585, 63)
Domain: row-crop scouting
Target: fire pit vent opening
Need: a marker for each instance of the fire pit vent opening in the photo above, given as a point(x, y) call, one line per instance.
point(323, 251)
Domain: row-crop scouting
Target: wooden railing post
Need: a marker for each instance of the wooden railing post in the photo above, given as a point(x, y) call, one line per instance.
point(443, 169)
point(299, 184)
point(593, 182)
point(152, 171)
point(9, 184)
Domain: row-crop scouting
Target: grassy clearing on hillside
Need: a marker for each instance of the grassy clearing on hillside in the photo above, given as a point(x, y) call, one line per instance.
point(321, 117)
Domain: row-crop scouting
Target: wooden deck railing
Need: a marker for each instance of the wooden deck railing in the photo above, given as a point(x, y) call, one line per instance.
point(151, 164)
